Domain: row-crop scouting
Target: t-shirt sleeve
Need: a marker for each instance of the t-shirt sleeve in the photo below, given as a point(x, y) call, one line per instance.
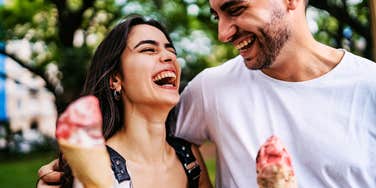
point(191, 124)
point(371, 109)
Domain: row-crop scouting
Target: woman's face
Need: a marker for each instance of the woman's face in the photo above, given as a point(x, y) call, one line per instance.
point(151, 74)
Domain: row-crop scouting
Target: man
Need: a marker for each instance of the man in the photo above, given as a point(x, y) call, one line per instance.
point(319, 100)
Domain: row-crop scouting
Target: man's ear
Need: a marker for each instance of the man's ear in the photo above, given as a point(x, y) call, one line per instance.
point(115, 82)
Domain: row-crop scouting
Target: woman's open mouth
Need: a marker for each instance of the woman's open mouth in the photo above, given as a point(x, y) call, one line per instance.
point(165, 79)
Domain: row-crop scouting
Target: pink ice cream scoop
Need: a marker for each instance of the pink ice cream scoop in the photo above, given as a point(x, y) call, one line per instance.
point(79, 134)
point(273, 164)
point(81, 123)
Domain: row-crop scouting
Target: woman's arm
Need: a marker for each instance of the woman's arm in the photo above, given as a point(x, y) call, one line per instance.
point(204, 176)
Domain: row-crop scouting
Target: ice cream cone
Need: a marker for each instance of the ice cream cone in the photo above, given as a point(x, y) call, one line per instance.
point(89, 164)
point(79, 134)
point(274, 168)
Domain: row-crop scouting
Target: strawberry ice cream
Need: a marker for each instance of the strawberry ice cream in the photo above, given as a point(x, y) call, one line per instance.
point(274, 168)
point(81, 123)
point(79, 134)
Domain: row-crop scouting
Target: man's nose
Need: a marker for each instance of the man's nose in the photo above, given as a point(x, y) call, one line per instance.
point(226, 30)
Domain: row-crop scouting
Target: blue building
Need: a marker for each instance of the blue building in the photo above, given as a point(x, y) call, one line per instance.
point(26, 106)
point(3, 109)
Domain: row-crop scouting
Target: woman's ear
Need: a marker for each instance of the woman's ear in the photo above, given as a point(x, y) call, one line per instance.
point(115, 82)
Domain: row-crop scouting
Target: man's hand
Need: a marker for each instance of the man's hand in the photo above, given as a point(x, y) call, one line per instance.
point(49, 177)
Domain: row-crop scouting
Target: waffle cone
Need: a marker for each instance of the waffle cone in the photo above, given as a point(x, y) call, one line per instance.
point(275, 176)
point(89, 160)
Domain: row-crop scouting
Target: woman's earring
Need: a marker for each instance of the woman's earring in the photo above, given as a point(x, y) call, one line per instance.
point(117, 95)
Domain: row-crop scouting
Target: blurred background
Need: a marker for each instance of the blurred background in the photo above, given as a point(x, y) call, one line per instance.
point(46, 46)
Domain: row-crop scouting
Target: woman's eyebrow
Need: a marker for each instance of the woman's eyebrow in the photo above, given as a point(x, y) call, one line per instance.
point(153, 42)
point(169, 45)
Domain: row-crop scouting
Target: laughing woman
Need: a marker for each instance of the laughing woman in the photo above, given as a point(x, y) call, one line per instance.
point(135, 76)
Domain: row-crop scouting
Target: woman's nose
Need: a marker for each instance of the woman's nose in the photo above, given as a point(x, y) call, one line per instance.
point(167, 56)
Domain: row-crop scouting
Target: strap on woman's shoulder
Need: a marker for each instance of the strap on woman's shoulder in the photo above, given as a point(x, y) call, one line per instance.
point(118, 165)
point(191, 166)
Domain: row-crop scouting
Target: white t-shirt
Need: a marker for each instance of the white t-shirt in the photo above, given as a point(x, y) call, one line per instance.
point(328, 124)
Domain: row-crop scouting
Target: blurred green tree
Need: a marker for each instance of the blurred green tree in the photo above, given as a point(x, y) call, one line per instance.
point(53, 25)
point(344, 21)
point(69, 31)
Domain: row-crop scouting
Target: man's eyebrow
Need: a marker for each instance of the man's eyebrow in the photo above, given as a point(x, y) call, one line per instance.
point(146, 42)
point(212, 11)
point(228, 4)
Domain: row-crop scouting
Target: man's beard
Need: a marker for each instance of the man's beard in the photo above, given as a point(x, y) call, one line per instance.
point(275, 34)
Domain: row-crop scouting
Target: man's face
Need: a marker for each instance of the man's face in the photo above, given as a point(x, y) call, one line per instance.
point(255, 27)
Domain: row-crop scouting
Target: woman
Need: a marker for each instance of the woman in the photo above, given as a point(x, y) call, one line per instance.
point(135, 75)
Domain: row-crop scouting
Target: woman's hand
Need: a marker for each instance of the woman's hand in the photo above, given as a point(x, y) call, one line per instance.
point(49, 176)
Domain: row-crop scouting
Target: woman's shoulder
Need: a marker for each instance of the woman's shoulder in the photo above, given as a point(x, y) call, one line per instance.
point(186, 156)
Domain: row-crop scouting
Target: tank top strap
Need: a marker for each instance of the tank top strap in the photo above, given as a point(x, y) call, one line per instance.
point(118, 165)
point(183, 151)
point(191, 166)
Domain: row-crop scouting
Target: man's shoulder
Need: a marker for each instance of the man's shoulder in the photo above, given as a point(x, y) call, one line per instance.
point(230, 67)
point(358, 66)
point(356, 69)
point(214, 77)
point(358, 60)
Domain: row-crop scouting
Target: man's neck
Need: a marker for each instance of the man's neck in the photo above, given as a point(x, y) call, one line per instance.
point(304, 61)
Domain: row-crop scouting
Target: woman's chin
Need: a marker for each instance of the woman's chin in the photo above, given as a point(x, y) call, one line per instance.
point(172, 102)
point(165, 103)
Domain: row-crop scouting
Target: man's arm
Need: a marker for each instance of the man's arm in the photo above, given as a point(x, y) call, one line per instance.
point(192, 123)
point(49, 176)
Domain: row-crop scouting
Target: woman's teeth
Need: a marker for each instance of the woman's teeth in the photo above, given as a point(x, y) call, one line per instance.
point(162, 75)
point(165, 78)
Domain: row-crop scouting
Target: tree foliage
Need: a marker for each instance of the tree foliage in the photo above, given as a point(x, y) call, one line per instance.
point(69, 31)
point(338, 18)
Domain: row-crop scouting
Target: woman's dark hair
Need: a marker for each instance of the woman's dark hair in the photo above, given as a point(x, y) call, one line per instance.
point(105, 63)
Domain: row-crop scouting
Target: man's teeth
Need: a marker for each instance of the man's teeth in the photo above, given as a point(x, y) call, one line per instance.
point(164, 74)
point(244, 43)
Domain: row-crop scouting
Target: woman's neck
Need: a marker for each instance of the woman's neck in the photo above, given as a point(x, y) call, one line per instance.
point(143, 136)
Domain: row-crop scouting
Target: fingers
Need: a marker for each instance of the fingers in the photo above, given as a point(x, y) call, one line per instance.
point(53, 177)
point(45, 169)
point(49, 174)
point(42, 184)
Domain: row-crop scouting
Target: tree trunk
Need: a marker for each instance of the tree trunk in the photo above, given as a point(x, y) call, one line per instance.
point(372, 7)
